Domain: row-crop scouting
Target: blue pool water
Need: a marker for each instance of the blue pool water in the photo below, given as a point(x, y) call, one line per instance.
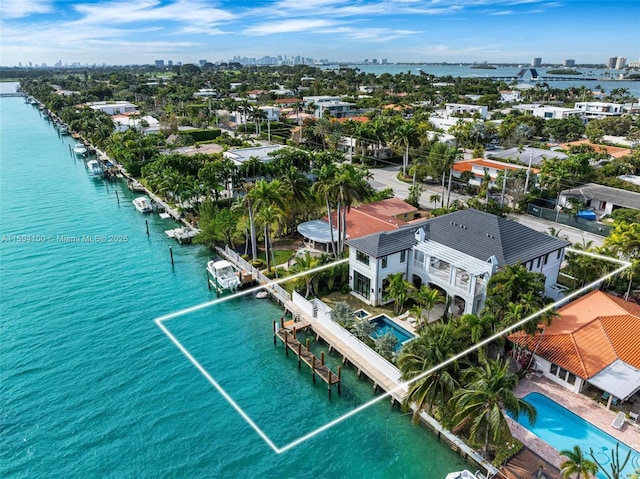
point(383, 324)
point(563, 429)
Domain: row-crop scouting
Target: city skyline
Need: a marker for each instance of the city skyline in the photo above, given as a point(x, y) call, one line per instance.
point(116, 32)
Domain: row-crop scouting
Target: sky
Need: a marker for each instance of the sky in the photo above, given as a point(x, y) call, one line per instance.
point(121, 32)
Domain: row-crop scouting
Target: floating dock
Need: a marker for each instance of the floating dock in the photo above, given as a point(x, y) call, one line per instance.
point(317, 366)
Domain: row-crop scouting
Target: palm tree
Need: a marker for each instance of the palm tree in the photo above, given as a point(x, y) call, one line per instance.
point(577, 463)
point(405, 136)
point(616, 467)
point(427, 298)
point(436, 345)
point(270, 216)
point(305, 263)
point(481, 402)
point(398, 289)
point(246, 202)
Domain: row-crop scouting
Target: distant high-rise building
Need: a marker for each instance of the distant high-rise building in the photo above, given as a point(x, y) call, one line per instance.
point(536, 62)
point(620, 63)
point(384, 61)
point(612, 62)
point(374, 61)
point(159, 63)
point(569, 62)
point(202, 62)
point(170, 63)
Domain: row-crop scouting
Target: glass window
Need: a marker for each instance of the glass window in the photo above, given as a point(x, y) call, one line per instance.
point(559, 254)
point(403, 256)
point(361, 284)
point(554, 369)
point(571, 379)
point(384, 262)
point(362, 258)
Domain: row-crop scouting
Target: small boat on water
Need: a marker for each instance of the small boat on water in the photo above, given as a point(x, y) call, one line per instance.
point(94, 168)
point(142, 204)
point(63, 129)
point(262, 295)
point(224, 275)
point(80, 149)
point(464, 475)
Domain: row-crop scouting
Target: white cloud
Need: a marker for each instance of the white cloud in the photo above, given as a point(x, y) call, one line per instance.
point(288, 26)
point(24, 8)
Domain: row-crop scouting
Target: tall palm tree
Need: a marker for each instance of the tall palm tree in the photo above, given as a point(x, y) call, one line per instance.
point(436, 345)
point(577, 463)
point(479, 405)
point(246, 202)
point(405, 136)
point(270, 216)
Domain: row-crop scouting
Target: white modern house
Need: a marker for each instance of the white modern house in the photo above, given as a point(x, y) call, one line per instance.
point(113, 107)
point(598, 109)
point(455, 253)
point(457, 109)
point(550, 112)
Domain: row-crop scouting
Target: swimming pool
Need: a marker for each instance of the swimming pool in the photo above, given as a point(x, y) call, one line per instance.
point(563, 429)
point(362, 313)
point(383, 323)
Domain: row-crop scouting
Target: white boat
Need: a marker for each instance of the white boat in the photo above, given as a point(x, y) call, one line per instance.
point(262, 295)
point(143, 205)
point(63, 129)
point(464, 475)
point(94, 168)
point(80, 149)
point(224, 274)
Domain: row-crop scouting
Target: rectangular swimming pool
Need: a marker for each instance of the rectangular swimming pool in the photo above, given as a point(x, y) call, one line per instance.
point(562, 429)
point(383, 323)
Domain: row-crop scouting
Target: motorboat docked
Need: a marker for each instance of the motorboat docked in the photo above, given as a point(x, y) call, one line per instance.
point(63, 129)
point(224, 274)
point(142, 204)
point(80, 149)
point(183, 235)
point(94, 168)
point(262, 295)
point(464, 475)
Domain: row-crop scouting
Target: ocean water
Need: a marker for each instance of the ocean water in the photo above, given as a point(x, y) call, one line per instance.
point(90, 386)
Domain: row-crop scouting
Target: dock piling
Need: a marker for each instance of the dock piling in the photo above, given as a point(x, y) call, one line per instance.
point(313, 368)
point(339, 377)
point(299, 354)
point(117, 197)
point(147, 223)
point(171, 254)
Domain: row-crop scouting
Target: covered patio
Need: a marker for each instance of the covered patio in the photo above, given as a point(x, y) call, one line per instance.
point(317, 234)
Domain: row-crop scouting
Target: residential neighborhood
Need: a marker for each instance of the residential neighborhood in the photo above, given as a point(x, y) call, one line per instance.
point(442, 292)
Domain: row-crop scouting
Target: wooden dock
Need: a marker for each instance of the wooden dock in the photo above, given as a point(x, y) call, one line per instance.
point(304, 355)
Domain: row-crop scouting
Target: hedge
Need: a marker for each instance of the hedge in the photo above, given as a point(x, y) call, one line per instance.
point(203, 135)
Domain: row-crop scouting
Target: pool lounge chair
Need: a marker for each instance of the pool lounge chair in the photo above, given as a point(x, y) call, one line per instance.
point(618, 422)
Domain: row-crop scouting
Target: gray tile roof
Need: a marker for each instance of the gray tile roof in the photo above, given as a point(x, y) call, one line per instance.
point(590, 191)
point(387, 242)
point(536, 155)
point(469, 231)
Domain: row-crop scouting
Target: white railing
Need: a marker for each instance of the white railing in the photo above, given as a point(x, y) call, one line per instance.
point(302, 303)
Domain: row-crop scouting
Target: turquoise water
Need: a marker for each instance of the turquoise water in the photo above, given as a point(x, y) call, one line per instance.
point(91, 387)
point(383, 324)
point(563, 429)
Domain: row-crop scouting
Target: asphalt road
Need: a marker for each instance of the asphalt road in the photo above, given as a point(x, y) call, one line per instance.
point(386, 178)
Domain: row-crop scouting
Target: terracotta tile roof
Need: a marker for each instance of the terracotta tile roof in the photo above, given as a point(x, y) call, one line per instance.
point(377, 217)
point(359, 119)
point(589, 334)
point(613, 151)
point(467, 165)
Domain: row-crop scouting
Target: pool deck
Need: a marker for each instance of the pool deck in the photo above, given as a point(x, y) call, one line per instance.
point(580, 405)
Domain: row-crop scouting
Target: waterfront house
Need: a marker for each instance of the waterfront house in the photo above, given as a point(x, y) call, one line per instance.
point(594, 340)
point(510, 96)
point(113, 107)
point(456, 253)
point(460, 109)
point(602, 200)
point(362, 220)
